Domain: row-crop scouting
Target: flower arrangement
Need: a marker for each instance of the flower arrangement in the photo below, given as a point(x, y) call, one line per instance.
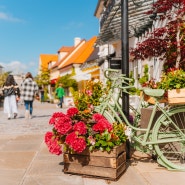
point(173, 79)
point(77, 130)
point(89, 96)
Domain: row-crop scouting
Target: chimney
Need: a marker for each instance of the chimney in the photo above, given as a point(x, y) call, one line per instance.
point(77, 41)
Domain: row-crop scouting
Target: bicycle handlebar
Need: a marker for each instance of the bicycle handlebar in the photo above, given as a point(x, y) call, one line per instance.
point(120, 76)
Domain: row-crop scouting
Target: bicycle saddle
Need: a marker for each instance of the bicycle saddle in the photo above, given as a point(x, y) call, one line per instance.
point(154, 92)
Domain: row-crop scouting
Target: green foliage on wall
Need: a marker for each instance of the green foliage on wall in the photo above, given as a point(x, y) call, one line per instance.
point(145, 77)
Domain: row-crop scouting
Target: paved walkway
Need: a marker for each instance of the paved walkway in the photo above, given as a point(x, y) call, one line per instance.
point(25, 160)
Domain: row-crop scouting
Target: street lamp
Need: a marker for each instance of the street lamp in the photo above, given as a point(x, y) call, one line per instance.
point(125, 53)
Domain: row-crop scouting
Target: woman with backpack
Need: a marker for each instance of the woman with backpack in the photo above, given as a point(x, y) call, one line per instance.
point(10, 92)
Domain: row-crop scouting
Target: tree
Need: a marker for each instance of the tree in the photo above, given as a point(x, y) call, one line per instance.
point(3, 77)
point(67, 82)
point(168, 42)
point(43, 78)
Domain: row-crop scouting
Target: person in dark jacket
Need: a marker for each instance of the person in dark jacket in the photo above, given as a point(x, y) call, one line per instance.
point(42, 95)
point(10, 92)
point(29, 89)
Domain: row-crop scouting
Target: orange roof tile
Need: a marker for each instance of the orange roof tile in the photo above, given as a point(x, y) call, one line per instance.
point(65, 49)
point(46, 58)
point(81, 55)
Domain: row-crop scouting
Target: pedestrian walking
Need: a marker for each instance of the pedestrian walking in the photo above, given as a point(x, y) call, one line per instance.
point(11, 92)
point(29, 89)
point(60, 93)
point(41, 95)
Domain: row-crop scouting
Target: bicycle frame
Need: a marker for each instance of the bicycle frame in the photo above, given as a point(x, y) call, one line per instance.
point(164, 132)
point(106, 105)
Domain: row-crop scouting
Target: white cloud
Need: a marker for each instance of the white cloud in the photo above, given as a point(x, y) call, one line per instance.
point(17, 67)
point(7, 17)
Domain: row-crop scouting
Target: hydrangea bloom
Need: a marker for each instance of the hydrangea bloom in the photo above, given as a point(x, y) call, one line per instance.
point(72, 111)
point(80, 127)
point(79, 130)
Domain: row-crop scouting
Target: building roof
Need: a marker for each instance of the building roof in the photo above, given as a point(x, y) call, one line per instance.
point(81, 55)
point(111, 21)
point(94, 55)
point(46, 58)
point(68, 50)
point(91, 61)
point(65, 49)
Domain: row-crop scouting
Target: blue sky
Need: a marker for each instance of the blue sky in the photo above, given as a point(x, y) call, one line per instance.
point(29, 28)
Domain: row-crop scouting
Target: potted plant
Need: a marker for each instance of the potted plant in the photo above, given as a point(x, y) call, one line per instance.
point(172, 79)
point(86, 139)
point(173, 82)
point(84, 136)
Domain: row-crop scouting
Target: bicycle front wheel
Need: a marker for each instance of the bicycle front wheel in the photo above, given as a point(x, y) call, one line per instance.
point(169, 136)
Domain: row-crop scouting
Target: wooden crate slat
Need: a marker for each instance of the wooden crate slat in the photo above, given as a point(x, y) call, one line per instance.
point(97, 163)
point(112, 173)
point(95, 160)
point(176, 96)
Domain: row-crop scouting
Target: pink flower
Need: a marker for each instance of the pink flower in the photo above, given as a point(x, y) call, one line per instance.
point(89, 92)
point(80, 127)
point(91, 107)
point(72, 111)
point(91, 140)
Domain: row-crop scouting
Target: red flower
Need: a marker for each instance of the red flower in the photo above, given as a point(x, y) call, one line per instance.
point(54, 147)
point(72, 111)
point(48, 137)
point(55, 116)
point(75, 134)
point(62, 126)
point(78, 145)
point(102, 125)
point(70, 137)
point(80, 127)
point(97, 116)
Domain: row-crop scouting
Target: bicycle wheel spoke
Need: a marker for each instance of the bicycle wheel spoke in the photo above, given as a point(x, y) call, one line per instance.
point(169, 133)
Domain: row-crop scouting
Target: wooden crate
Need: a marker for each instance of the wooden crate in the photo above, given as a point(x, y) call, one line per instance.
point(97, 164)
point(176, 96)
point(145, 116)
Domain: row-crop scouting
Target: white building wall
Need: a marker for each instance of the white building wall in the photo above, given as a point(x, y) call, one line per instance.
point(54, 74)
point(61, 55)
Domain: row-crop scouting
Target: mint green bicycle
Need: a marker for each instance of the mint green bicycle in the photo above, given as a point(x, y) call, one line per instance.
point(164, 138)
